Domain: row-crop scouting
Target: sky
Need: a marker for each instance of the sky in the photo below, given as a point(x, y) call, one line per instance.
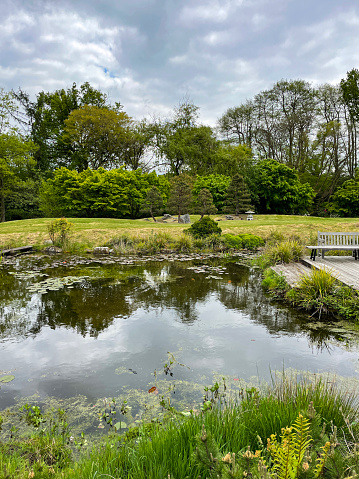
point(152, 54)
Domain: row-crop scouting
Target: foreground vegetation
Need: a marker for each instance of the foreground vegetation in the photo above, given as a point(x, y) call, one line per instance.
point(294, 428)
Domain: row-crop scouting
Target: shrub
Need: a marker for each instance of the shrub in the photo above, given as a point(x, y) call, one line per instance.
point(204, 227)
point(243, 241)
point(59, 232)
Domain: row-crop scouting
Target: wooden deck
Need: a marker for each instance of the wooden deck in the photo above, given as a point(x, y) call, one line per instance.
point(344, 268)
point(292, 272)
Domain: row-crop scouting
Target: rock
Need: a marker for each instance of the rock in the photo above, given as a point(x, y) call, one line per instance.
point(47, 242)
point(229, 217)
point(53, 250)
point(101, 250)
point(185, 219)
point(166, 216)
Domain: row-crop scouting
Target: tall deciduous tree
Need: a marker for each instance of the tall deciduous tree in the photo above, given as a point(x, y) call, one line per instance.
point(98, 137)
point(181, 144)
point(279, 189)
point(46, 118)
point(15, 160)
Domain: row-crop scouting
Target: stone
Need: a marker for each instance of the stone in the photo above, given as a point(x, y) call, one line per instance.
point(53, 250)
point(185, 219)
point(229, 217)
point(101, 250)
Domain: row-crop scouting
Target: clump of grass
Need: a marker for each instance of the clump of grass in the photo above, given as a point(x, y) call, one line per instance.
point(183, 244)
point(318, 283)
point(284, 252)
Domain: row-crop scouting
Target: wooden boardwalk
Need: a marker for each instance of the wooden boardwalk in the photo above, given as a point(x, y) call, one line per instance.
point(344, 268)
point(292, 272)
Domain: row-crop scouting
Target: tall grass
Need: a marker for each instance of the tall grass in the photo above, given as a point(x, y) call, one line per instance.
point(231, 425)
point(282, 252)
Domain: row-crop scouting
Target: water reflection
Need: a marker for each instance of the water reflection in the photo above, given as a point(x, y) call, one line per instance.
point(117, 291)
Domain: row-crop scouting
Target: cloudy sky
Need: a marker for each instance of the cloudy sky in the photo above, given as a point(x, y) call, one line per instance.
point(150, 54)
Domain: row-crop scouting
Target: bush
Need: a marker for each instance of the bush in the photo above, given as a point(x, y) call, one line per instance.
point(203, 228)
point(243, 241)
point(59, 232)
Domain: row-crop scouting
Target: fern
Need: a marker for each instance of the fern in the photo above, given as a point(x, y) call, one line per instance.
point(288, 454)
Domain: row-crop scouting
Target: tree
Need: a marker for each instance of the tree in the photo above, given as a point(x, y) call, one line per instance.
point(15, 160)
point(181, 144)
point(116, 193)
point(238, 198)
point(153, 202)
point(180, 197)
point(216, 184)
point(98, 137)
point(350, 92)
point(204, 203)
point(279, 190)
point(46, 120)
point(345, 200)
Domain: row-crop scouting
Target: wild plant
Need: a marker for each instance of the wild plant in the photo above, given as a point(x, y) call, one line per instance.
point(59, 232)
point(183, 244)
point(284, 252)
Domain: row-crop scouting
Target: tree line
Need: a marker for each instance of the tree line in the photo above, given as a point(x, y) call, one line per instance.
point(293, 149)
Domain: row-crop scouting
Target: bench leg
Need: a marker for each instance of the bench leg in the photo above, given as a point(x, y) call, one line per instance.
point(355, 254)
point(312, 254)
point(322, 253)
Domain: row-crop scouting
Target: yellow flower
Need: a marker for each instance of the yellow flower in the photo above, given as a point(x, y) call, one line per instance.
point(305, 466)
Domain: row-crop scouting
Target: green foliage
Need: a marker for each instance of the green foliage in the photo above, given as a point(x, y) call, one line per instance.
point(59, 232)
point(204, 203)
point(238, 199)
point(217, 185)
point(47, 115)
point(283, 252)
point(97, 136)
point(279, 189)
point(15, 165)
point(320, 292)
point(288, 454)
point(181, 144)
point(350, 91)
point(345, 201)
point(274, 283)
point(243, 241)
point(180, 197)
point(204, 227)
point(98, 193)
point(153, 202)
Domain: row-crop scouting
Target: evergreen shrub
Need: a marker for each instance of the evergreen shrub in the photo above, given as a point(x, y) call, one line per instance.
point(203, 228)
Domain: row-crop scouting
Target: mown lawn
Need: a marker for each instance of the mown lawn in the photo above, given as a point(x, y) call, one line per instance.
point(96, 231)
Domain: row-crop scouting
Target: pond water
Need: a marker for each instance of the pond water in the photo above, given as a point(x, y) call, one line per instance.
point(86, 328)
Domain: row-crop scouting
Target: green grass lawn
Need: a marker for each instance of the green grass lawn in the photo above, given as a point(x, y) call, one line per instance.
point(96, 231)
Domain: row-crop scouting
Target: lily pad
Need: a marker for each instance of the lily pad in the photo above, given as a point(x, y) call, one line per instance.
point(120, 425)
point(7, 379)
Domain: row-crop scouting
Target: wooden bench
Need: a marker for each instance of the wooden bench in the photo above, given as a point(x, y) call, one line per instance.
point(336, 241)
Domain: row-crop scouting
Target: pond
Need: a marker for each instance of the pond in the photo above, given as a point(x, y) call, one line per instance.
point(78, 330)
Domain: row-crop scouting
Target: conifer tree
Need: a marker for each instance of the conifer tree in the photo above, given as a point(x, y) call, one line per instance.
point(238, 198)
point(204, 203)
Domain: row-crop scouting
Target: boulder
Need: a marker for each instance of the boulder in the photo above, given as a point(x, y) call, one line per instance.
point(101, 250)
point(53, 250)
point(185, 219)
point(229, 217)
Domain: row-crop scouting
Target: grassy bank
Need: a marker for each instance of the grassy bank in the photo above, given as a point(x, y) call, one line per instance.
point(294, 428)
point(96, 232)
